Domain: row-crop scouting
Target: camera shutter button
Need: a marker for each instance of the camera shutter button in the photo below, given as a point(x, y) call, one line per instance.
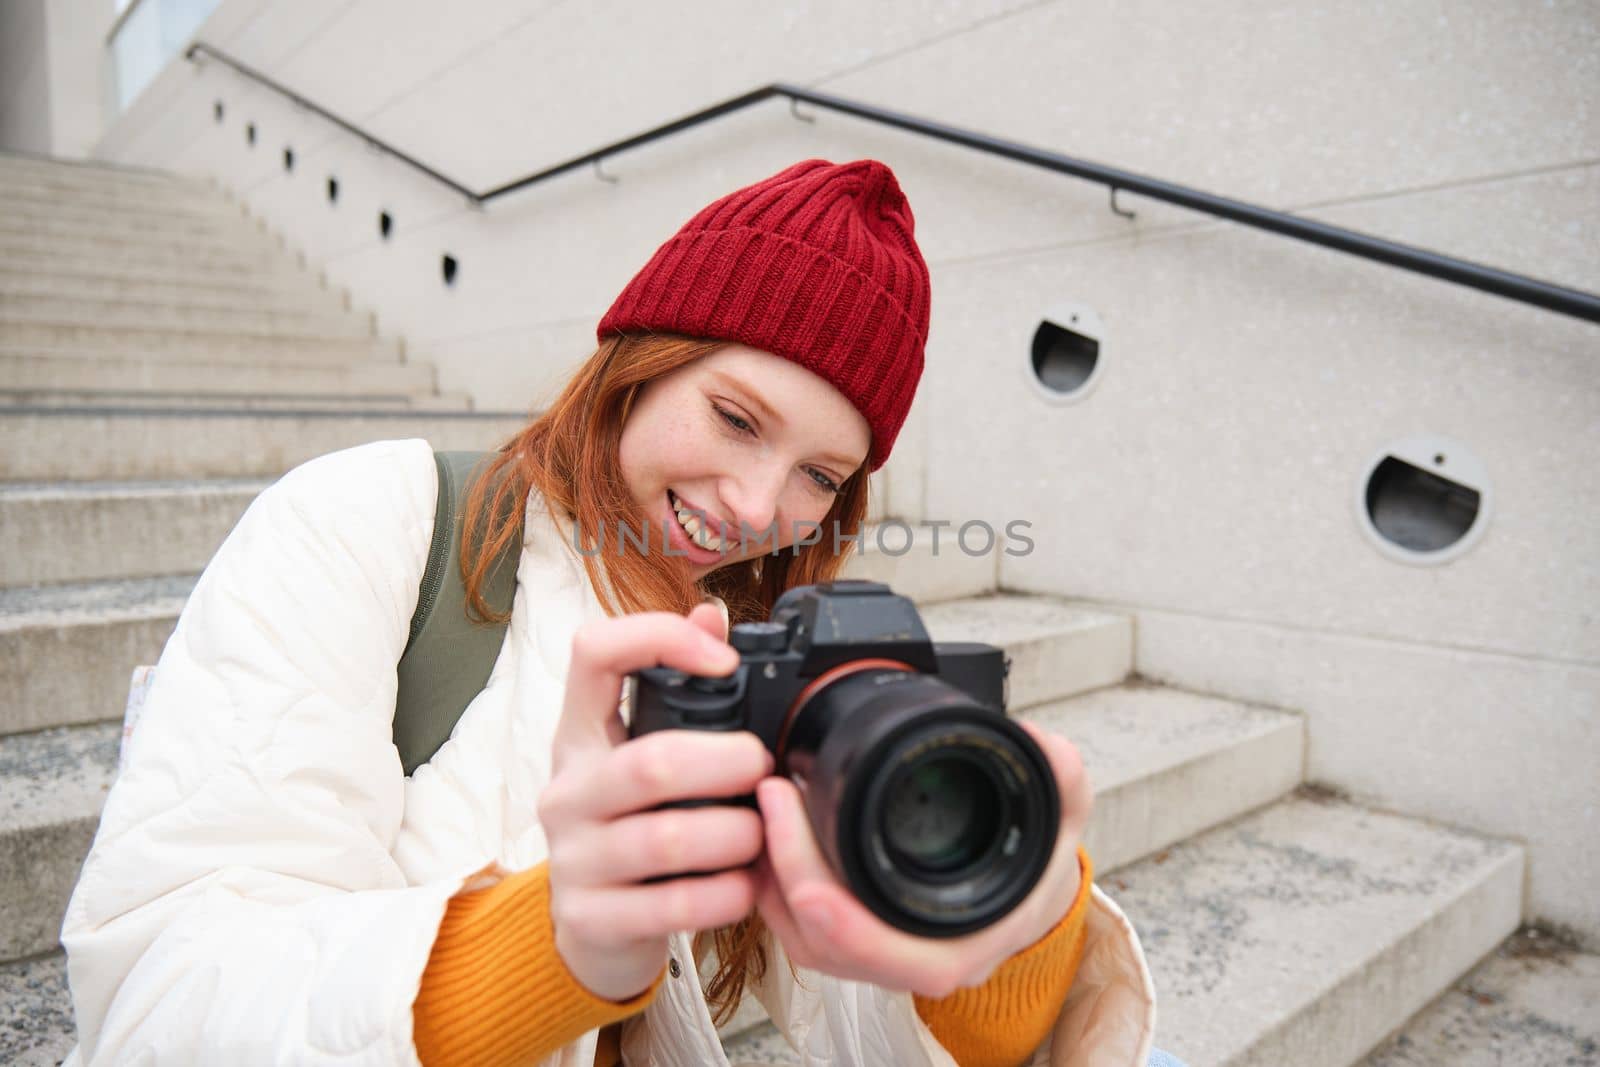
point(750, 637)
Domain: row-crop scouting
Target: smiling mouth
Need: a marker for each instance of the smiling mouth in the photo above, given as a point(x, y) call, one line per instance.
point(695, 529)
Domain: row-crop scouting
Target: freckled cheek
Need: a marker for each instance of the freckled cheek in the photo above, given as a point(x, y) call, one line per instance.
point(674, 452)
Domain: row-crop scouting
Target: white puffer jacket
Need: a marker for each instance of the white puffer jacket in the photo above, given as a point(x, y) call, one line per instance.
point(266, 884)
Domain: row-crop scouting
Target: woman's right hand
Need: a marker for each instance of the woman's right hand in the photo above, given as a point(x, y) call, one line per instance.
point(605, 838)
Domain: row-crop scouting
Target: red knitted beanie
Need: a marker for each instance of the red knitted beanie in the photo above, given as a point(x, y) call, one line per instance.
point(816, 264)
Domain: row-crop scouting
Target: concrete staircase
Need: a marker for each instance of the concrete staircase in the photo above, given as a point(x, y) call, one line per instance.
point(163, 360)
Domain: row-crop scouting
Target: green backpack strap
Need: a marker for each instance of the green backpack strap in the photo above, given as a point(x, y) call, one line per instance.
point(449, 657)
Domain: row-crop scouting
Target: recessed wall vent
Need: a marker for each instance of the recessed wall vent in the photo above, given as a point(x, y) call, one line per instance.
point(449, 268)
point(1064, 358)
point(288, 159)
point(385, 224)
point(216, 110)
point(333, 190)
point(250, 133)
point(1424, 500)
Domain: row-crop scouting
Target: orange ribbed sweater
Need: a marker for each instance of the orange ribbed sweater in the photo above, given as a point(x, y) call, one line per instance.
point(495, 955)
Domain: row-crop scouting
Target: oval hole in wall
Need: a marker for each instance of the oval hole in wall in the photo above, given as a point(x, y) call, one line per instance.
point(449, 267)
point(1065, 355)
point(216, 110)
point(250, 133)
point(1424, 500)
point(288, 159)
point(385, 224)
point(333, 190)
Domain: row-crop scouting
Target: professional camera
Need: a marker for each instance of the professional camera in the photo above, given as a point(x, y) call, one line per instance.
point(936, 810)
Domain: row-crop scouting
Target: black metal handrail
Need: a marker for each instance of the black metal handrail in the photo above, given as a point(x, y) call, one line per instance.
point(1519, 287)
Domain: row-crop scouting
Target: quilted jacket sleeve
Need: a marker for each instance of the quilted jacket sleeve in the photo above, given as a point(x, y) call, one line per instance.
point(240, 904)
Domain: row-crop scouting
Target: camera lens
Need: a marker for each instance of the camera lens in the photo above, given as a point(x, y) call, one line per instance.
point(938, 813)
point(941, 814)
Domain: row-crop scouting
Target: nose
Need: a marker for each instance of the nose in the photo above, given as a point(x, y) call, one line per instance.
point(751, 497)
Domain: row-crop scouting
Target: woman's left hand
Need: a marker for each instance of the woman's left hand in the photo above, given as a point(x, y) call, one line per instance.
point(823, 926)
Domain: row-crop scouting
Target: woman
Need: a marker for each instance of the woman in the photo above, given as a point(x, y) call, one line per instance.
point(267, 885)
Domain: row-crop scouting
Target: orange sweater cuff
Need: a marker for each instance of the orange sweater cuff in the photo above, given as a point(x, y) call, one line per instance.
point(496, 991)
point(1001, 1022)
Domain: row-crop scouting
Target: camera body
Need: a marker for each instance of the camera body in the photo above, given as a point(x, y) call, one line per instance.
point(936, 809)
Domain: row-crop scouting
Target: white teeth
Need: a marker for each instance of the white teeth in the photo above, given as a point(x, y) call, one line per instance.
point(696, 529)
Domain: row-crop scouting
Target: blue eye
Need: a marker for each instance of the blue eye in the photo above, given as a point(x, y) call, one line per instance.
point(733, 420)
point(820, 480)
point(823, 481)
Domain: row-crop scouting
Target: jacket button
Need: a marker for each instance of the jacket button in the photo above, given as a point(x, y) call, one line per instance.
point(673, 968)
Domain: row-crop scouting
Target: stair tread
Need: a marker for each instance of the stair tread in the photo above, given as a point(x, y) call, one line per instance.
point(201, 412)
point(36, 1024)
point(126, 490)
point(1530, 1004)
point(1009, 618)
point(287, 346)
point(94, 602)
point(178, 331)
point(1130, 731)
point(1248, 925)
point(56, 775)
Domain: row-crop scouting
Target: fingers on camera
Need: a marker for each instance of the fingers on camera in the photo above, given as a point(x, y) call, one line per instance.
point(617, 646)
point(675, 765)
point(628, 914)
point(688, 842)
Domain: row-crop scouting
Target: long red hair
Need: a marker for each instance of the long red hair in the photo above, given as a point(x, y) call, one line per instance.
point(570, 455)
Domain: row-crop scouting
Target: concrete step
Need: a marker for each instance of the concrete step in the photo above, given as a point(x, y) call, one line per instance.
point(108, 531)
point(68, 650)
point(1307, 932)
point(283, 286)
point(232, 346)
point(180, 200)
point(37, 216)
point(36, 1024)
point(69, 182)
point(925, 567)
point(104, 398)
point(52, 786)
point(178, 315)
point(271, 269)
point(110, 444)
point(15, 166)
point(1166, 764)
point(53, 371)
point(1057, 649)
point(104, 531)
point(17, 198)
point(297, 292)
point(1530, 1004)
point(241, 250)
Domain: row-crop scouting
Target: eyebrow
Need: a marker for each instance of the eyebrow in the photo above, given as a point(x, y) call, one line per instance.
point(772, 416)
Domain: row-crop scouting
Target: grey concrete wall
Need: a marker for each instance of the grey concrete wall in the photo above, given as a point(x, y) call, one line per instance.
point(78, 74)
point(24, 78)
point(52, 76)
point(1207, 484)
